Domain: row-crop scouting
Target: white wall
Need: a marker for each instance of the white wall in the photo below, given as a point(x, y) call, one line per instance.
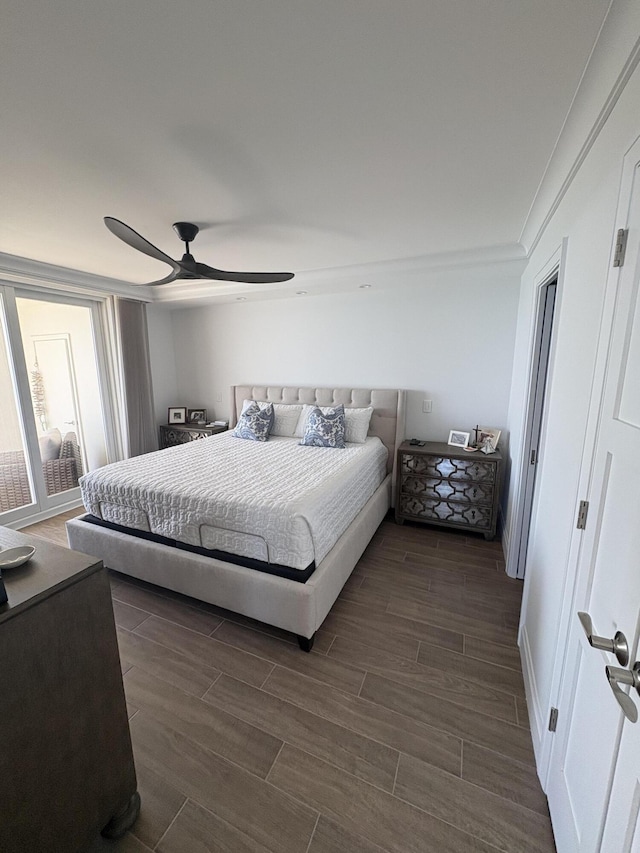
point(447, 336)
point(586, 217)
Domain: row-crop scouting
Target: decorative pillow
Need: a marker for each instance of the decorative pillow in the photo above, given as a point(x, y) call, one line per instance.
point(325, 429)
point(285, 416)
point(357, 424)
point(255, 423)
point(261, 405)
point(50, 443)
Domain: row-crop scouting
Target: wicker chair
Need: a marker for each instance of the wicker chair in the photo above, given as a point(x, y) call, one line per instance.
point(59, 474)
point(14, 483)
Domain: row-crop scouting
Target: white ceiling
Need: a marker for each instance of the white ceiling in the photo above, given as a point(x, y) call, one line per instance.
point(299, 135)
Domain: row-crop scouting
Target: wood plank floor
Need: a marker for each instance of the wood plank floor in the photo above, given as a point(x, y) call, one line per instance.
point(404, 730)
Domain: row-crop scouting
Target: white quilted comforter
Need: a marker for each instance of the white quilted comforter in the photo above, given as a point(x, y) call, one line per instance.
point(275, 501)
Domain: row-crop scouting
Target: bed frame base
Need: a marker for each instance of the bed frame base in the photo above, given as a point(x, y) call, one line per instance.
point(293, 606)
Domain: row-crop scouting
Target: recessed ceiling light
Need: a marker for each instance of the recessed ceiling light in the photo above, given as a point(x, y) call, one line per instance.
point(365, 287)
point(241, 298)
point(301, 292)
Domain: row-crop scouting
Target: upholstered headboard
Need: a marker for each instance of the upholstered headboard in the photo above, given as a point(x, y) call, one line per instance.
point(387, 421)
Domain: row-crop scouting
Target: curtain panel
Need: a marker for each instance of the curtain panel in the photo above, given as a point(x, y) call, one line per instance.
point(135, 367)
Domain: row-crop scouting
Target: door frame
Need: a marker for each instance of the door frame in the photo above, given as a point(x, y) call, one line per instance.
point(521, 524)
point(45, 506)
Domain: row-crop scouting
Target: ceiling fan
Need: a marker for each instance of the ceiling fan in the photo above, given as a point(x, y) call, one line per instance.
point(187, 267)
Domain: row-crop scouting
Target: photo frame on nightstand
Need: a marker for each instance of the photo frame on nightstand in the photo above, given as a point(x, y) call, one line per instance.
point(458, 438)
point(177, 415)
point(488, 438)
point(195, 416)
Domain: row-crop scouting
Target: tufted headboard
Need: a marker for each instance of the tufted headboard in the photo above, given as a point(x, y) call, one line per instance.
point(387, 421)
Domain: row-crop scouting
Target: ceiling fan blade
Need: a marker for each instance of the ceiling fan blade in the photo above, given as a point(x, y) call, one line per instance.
point(171, 277)
point(137, 241)
point(204, 271)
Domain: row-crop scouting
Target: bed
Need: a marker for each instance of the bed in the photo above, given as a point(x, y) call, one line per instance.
point(297, 599)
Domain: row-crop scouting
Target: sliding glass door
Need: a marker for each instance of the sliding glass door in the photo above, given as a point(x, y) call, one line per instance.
point(55, 401)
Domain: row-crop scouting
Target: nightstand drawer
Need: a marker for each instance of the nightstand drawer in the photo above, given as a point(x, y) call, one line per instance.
point(444, 467)
point(478, 517)
point(456, 490)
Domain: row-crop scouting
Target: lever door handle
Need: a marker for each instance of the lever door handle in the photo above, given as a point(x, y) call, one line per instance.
point(618, 646)
point(617, 676)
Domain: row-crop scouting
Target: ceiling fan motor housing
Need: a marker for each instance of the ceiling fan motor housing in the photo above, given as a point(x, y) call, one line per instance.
point(186, 231)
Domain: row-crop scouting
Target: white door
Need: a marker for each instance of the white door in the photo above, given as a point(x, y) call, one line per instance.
point(594, 778)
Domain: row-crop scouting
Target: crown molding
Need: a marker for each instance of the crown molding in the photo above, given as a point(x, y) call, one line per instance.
point(335, 279)
point(484, 256)
point(600, 88)
point(24, 271)
point(17, 270)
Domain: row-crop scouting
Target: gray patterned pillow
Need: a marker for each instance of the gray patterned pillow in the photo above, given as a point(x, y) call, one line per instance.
point(325, 429)
point(254, 423)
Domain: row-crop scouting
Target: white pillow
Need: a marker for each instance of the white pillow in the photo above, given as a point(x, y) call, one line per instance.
point(357, 424)
point(302, 420)
point(50, 443)
point(285, 417)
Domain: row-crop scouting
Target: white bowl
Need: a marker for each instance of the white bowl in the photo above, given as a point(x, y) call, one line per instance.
point(14, 557)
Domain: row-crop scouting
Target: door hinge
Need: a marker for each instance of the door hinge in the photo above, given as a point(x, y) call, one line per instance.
point(533, 458)
point(621, 247)
point(583, 509)
point(553, 719)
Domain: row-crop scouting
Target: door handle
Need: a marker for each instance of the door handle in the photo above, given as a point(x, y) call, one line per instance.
point(617, 676)
point(618, 646)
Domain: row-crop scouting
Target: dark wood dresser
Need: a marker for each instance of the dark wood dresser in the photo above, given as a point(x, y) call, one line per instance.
point(172, 434)
point(65, 752)
point(444, 485)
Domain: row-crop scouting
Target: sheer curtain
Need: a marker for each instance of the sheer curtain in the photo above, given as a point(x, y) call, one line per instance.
point(139, 422)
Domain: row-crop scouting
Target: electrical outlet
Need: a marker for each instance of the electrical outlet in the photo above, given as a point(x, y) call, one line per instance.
point(427, 406)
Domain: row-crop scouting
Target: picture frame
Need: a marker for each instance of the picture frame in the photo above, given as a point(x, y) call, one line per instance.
point(177, 415)
point(194, 416)
point(458, 438)
point(488, 438)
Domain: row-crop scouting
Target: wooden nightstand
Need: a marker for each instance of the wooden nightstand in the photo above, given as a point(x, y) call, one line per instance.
point(450, 487)
point(173, 434)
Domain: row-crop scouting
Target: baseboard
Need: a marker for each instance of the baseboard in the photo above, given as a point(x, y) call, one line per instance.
point(537, 716)
point(44, 515)
point(504, 534)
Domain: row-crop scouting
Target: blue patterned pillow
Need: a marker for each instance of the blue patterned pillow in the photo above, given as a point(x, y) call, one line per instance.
point(325, 429)
point(262, 406)
point(254, 423)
